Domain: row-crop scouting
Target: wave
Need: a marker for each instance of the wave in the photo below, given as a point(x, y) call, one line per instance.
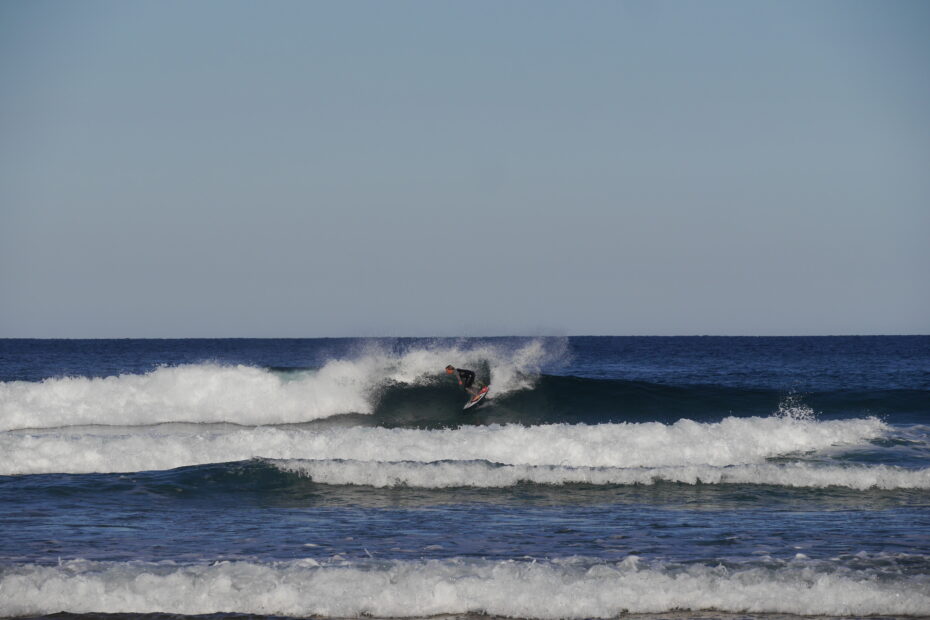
point(482, 474)
point(567, 588)
point(247, 395)
point(579, 399)
point(404, 392)
point(732, 441)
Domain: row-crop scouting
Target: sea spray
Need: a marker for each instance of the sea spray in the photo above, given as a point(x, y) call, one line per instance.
point(792, 407)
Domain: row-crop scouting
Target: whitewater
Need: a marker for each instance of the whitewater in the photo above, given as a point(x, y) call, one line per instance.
point(602, 477)
point(249, 395)
point(729, 442)
point(569, 588)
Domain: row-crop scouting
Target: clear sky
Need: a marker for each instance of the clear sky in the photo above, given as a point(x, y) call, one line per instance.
point(223, 168)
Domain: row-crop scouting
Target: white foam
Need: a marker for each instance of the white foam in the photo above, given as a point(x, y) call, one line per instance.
point(194, 393)
point(733, 441)
point(570, 588)
point(253, 396)
point(481, 474)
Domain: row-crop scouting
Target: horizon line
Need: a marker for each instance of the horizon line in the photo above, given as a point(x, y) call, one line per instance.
point(471, 337)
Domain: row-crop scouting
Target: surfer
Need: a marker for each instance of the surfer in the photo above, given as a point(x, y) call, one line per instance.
point(466, 379)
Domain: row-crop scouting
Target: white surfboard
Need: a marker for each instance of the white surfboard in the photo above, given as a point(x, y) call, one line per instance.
point(477, 398)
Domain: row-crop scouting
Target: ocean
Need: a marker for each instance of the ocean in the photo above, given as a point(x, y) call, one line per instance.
point(604, 477)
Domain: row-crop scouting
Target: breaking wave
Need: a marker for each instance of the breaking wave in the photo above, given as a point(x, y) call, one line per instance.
point(408, 388)
point(733, 441)
point(248, 395)
point(481, 474)
point(571, 588)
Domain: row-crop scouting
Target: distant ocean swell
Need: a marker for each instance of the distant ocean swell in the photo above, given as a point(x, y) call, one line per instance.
point(566, 588)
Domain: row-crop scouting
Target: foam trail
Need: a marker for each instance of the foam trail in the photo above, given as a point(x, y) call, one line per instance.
point(733, 441)
point(246, 395)
point(481, 474)
point(570, 588)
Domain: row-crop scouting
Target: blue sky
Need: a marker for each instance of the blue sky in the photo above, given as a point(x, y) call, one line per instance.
point(183, 169)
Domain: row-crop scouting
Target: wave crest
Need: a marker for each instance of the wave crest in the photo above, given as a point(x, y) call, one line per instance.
point(567, 588)
point(734, 441)
point(482, 474)
point(247, 395)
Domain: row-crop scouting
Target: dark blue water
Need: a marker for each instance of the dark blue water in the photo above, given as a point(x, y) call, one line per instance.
point(339, 477)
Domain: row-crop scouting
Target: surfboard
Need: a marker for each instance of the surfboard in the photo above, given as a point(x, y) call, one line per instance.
point(477, 398)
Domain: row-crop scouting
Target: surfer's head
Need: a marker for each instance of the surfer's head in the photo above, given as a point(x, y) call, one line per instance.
point(450, 369)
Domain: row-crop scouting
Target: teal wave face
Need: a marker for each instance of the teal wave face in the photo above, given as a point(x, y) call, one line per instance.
point(576, 400)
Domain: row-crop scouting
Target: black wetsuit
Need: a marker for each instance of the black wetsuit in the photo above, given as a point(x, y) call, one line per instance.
point(466, 377)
